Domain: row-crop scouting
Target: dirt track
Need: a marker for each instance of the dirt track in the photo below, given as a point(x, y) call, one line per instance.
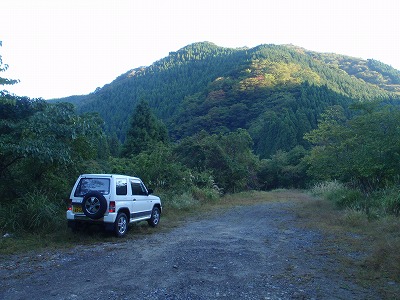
point(249, 252)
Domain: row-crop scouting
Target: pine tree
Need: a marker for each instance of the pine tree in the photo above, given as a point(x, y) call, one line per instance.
point(145, 131)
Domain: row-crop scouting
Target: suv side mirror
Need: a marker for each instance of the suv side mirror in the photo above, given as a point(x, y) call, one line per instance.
point(150, 191)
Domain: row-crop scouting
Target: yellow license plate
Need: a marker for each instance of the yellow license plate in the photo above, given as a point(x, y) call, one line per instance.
point(77, 209)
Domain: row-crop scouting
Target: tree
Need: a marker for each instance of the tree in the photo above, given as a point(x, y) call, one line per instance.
point(5, 81)
point(365, 148)
point(227, 156)
point(284, 170)
point(144, 132)
point(39, 140)
point(114, 145)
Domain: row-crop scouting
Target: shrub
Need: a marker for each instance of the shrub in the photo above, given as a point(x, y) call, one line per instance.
point(323, 189)
point(389, 200)
point(347, 198)
point(182, 201)
point(205, 194)
point(337, 192)
point(34, 212)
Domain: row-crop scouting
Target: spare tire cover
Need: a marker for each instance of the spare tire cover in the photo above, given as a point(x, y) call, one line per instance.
point(94, 205)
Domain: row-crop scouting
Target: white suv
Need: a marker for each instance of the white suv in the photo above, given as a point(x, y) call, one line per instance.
point(113, 201)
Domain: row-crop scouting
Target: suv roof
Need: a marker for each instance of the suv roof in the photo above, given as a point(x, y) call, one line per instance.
point(107, 175)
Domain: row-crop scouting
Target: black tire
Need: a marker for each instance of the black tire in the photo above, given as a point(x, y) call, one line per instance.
point(121, 225)
point(155, 217)
point(94, 205)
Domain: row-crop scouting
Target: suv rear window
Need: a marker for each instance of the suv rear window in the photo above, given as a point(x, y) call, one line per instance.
point(86, 185)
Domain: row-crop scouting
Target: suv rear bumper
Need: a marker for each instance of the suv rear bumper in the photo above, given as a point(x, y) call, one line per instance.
point(109, 218)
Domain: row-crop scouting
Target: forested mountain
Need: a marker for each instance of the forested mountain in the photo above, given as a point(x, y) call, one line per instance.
point(276, 92)
point(208, 121)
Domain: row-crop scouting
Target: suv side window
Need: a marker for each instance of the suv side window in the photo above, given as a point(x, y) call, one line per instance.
point(138, 188)
point(121, 186)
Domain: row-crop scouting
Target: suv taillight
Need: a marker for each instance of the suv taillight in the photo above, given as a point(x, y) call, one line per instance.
point(70, 204)
point(111, 207)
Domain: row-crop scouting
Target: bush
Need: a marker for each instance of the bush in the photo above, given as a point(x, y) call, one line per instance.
point(322, 189)
point(190, 198)
point(377, 204)
point(348, 198)
point(184, 201)
point(337, 192)
point(205, 194)
point(35, 212)
point(389, 200)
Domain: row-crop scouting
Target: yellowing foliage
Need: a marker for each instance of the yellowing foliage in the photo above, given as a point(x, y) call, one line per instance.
point(264, 73)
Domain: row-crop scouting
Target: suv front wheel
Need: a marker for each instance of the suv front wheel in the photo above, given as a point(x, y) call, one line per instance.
point(155, 217)
point(121, 225)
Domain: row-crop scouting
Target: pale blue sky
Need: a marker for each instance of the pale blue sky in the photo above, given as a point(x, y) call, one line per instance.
point(60, 48)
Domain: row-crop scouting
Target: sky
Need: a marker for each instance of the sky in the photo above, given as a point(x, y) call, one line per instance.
point(59, 48)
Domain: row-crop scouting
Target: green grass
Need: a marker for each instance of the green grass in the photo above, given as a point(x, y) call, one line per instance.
point(374, 241)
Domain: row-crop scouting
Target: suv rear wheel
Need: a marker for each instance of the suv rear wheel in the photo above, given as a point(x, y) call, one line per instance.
point(121, 225)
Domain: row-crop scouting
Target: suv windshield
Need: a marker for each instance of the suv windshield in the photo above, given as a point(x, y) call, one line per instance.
point(86, 185)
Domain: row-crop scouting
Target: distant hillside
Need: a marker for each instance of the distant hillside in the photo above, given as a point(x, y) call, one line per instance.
point(276, 92)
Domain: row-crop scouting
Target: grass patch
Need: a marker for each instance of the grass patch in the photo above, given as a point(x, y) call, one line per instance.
point(372, 242)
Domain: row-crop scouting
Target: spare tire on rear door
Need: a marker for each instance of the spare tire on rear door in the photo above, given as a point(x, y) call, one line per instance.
point(94, 205)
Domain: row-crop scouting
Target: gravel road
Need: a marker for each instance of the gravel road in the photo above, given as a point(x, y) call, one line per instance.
point(246, 252)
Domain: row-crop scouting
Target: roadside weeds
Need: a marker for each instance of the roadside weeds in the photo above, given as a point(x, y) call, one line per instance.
point(371, 245)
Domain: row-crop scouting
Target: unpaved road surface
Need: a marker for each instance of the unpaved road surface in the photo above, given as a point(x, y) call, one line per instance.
point(248, 252)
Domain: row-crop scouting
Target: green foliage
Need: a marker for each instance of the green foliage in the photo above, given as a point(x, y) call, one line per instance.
point(227, 156)
point(392, 75)
point(39, 140)
point(348, 198)
point(364, 149)
point(276, 118)
point(284, 170)
point(5, 81)
point(371, 71)
point(190, 199)
point(145, 131)
point(379, 203)
point(179, 201)
point(206, 87)
point(114, 145)
point(324, 188)
point(33, 212)
point(340, 194)
point(159, 167)
point(390, 200)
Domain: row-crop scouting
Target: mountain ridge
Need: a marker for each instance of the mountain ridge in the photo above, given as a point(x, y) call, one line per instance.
point(179, 84)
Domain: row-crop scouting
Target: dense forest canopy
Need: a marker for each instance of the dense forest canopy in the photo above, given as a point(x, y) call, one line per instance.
point(276, 92)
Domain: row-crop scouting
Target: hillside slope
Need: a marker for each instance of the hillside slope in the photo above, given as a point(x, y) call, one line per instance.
point(275, 91)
